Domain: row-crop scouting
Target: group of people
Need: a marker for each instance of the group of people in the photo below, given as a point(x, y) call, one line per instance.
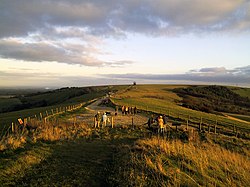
point(101, 120)
point(161, 121)
point(128, 110)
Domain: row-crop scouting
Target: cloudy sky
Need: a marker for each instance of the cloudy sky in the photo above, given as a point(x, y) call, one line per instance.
point(60, 43)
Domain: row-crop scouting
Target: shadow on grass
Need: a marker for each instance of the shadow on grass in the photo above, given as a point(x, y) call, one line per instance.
point(83, 162)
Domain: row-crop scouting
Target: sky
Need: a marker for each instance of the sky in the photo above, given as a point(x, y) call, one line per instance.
point(95, 42)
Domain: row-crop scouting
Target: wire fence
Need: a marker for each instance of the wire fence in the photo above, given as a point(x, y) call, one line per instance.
point(18, 125)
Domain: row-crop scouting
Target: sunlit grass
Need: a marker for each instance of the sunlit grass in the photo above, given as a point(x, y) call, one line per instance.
point(157, 162)
point(161, 99)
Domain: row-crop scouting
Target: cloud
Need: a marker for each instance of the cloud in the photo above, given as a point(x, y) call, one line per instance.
point(52, 51)
point(214, 70)
point(47, 28)
point(240, 76)
point(53, 80)
point(20, 17)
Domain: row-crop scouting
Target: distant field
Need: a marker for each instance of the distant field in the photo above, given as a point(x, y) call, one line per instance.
point(244, 92)
point(161, 99)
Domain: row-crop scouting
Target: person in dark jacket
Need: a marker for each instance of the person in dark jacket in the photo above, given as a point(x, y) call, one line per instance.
point(151, 120)
point(165, 119)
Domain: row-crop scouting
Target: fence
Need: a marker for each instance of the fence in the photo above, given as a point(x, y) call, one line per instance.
point(39, 118)
point(200, 123)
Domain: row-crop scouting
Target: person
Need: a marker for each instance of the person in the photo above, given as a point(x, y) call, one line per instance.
point(160, 125)
point(116, 110)
point(123, 110)
point(132, 110)
point(104, 120)
point(126, 110)
point(150, 122)
point(165, 119)
point(97, 120)
point(135, 110)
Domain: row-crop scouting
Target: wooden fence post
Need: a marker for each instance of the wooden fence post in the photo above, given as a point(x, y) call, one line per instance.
point(47, 113)
point(41, 116)
point(187, 125)
point(208, 128)
point(12, 127)
point(52, 112)
point(95, 122)
point(74, 121)
point(112, 122)
point(200, 124)
point(132, 122)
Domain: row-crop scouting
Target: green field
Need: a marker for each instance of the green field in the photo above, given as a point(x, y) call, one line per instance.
point(244, 92)
point(162, 99)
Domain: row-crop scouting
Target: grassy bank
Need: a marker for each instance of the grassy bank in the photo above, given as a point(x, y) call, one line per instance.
point(161, 99)
point(156, 162)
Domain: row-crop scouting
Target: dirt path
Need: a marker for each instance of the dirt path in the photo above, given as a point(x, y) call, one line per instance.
point(236, 119)
point(88, 161)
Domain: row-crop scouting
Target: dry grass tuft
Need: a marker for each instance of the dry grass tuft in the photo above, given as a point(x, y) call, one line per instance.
point(175, 163)
point(48, 132)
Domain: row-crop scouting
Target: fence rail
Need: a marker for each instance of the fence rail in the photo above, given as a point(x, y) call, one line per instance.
point(201, 123)
point(41, 117)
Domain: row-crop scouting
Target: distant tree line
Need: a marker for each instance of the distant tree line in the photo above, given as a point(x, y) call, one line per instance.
point(42, 99)
point(213, 99)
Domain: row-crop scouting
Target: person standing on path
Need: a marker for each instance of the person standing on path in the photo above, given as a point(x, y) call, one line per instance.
point(160, 125)
point(97, 120)
point(104, 120)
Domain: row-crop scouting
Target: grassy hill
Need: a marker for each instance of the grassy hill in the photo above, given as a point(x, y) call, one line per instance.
point(68, 151)
point(163, 99)
point(22, 106)
point(75, 154)
point(55, 97)
point(214, 99)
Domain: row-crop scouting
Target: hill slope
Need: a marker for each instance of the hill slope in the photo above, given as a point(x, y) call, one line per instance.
point(214, 99)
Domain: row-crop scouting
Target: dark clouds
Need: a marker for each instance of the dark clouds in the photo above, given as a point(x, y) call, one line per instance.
point(46, 23)
point(20, 17)
point(239, 76)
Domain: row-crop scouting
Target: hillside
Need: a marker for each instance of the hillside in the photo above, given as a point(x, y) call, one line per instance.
point(55, 97)
point(214, 99)
point(68, 151)
point(164, 99)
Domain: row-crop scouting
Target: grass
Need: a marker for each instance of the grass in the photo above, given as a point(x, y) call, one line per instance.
point(65, 154)
point(157, 162)
point(161, 99)
point(244, 92)
point(71, 153)
point(67, 151)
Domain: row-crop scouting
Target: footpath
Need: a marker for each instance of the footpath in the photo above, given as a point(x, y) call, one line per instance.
point(87, 161)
